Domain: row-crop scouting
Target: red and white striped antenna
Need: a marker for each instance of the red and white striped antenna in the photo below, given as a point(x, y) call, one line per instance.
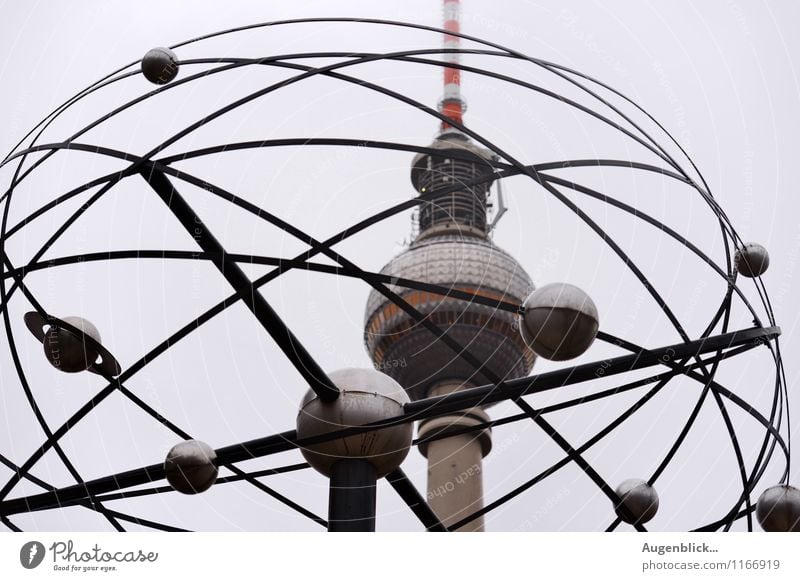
point(452, 105)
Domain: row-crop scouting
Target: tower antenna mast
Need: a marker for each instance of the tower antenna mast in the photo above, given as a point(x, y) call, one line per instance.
point(452, 105)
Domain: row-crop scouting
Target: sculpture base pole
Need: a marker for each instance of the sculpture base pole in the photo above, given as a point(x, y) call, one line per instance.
point(351, 503)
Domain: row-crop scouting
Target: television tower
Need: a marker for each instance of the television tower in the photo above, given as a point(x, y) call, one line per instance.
point(452, 248)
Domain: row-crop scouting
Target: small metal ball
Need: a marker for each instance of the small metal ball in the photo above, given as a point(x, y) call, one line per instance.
point(190, 467)
point(69, 352)
point(366, 396)
point(160, 65)
point(559, 321)
point(778, 509)
point(752, 260)
point(639, 498)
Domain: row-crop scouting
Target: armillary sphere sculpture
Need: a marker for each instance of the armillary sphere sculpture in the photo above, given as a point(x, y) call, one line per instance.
point(453, 323)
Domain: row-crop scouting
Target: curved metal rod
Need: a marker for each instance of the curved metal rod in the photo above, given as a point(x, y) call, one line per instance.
point(90, 502)
point(376, 88)
point(763, 458)
point(181, 433)
point(35, 408)
point(431, 407)
point(411, 57)
point(566, 460)
point(589, 192)
point(473, 362)
point(643, 279)
point(148, 523)
point(291, 345)
point(597, 438)
point(11, 526)
point(333, 65)
point(598, 97)
point(168, 489)
point(667, 230)
point(547, 65)
point(708, 385)
point(739, 458)
point(579, 400)
point(705, 191)
point(662, 380)
point(399, 56)
point(758, 471)
point(726, 306)
point(300, 235)
point(178, 431)
point(513, 171)
point(308, 72)
point(576, 457)
point(465, 355)
point(621, 254)
point(716, 389)
point(284, 264)
point(314, 71)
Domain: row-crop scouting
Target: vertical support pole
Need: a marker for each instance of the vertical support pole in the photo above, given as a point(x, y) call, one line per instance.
point(351, 503)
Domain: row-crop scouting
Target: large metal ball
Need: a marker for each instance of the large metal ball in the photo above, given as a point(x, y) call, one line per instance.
point(366, 396)
point(559, 321)
point(778, 509)
point(639, 498)
point(190, 467)
point(752, 260)
point(160, 65)
point(69, 352)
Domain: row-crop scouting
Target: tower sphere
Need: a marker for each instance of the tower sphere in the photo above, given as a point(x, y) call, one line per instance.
point(559, 321)
point(778, 509)
point(160, 65)
point(69, 352)
point(366, 396)
point(410, 353)
point(639, 498)
point(190, 467)
point(752, 260)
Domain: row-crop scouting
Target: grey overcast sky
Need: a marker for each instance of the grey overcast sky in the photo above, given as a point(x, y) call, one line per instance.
point(721, 75)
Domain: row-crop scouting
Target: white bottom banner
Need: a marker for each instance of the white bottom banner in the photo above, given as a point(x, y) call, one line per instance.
point(399, 556)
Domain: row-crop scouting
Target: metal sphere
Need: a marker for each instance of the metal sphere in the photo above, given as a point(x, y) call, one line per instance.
point(559, 321)
point(190, 467)
point(410, 354)
point(778, 509)
point(160, 65)
point(639, 498)
point(366, 396)
point(752, 260)
point(69, 352)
